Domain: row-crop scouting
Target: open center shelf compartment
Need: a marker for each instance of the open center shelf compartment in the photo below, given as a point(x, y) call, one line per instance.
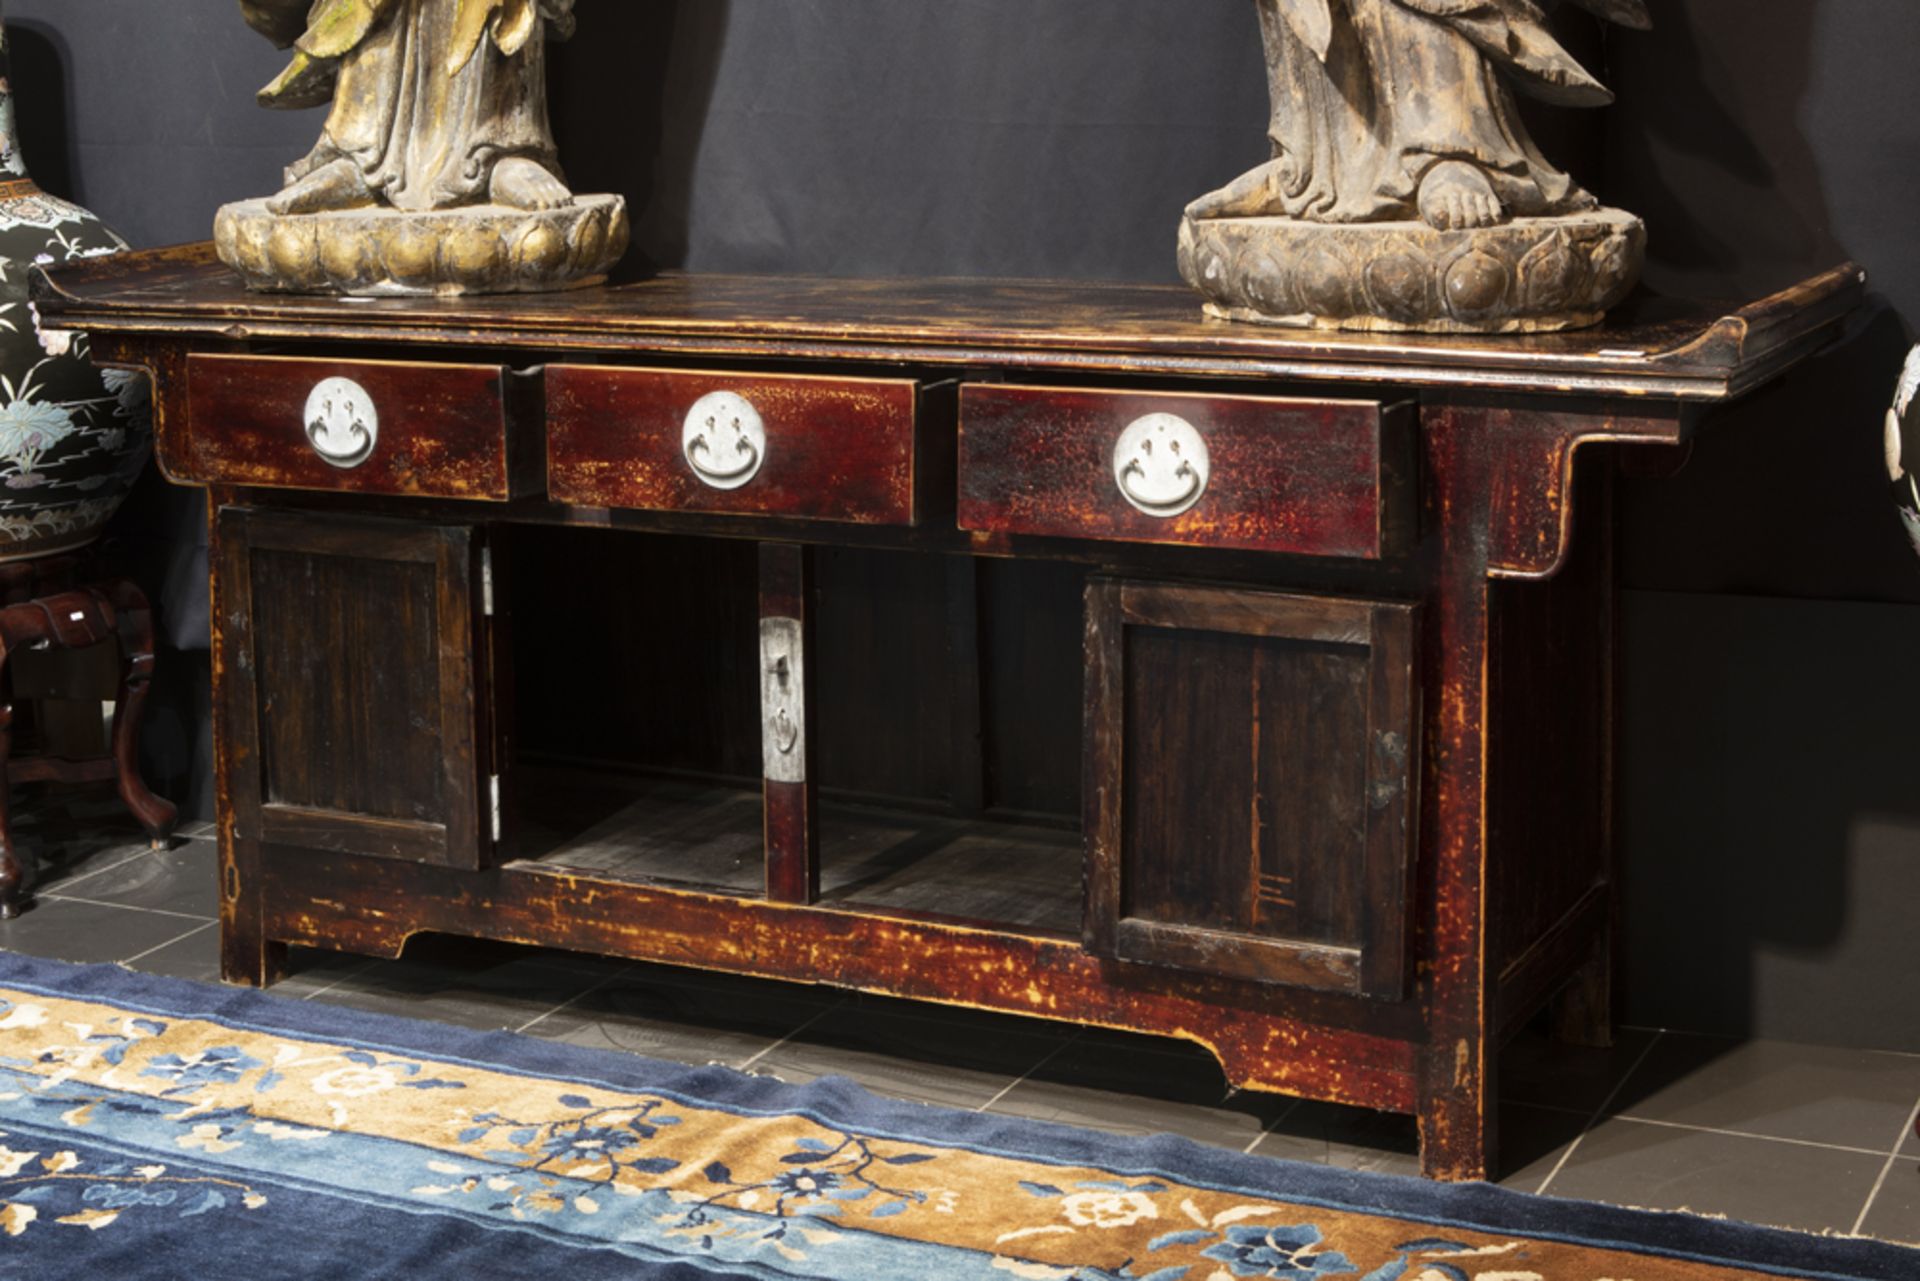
point(944, 712)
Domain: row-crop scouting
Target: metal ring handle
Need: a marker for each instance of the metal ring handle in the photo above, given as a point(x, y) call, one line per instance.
point(1161, 465)
point(724, 424)
point(744, 470)
point(1161, 506)
point(359, 443)
point(342, 425)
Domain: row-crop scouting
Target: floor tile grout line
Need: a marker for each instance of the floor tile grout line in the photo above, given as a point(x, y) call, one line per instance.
point(366, 963)
point(128, 907)
point(1749, 1039)
point(1010, 1086)
point(1700, 1129)
point(818, 1015)
point(1270, 1126)
point(1748, 1134)
point(198, 929)
point(1593, 1120)
point(584, 992)
point(1893, 1158)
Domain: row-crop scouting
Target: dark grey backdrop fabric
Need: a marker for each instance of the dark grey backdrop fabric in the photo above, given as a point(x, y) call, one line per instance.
point(1770, 820)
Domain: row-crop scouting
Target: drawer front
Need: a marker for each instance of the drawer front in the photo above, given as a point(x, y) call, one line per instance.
point(374, 427)
point(835, 449)
point(1315, 477)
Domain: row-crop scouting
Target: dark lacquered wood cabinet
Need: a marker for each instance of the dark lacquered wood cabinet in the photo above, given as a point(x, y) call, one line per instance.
point(1038, 648)
point(353, 684)
point(1252, 784)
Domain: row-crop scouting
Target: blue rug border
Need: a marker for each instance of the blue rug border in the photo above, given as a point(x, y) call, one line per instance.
point(838, 1102)
point(652, 1263)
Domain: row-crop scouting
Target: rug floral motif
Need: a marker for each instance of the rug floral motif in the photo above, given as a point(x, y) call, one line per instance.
point(142, 1118)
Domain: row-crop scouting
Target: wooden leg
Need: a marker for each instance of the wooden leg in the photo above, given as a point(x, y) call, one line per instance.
point(135, 627)
point(247, 956)
point(1583, 1011)
point(1458, 1117)
point(1455, 1100)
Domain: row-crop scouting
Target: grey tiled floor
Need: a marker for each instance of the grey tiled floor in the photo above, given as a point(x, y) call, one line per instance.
point(1792, 1135)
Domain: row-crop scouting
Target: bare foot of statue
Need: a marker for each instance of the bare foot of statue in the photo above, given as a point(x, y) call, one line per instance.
point(1457, 196)
point(520, 183)
point(1253, 194)
point(336, 185)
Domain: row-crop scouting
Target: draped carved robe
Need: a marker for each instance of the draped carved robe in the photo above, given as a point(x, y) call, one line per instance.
point(1368, 95)
point(428, 96)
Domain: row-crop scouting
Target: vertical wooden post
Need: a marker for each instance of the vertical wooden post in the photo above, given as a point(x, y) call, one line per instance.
point(1456, 1070)
point(247, 955)
point(968, 758)
point(786, 713)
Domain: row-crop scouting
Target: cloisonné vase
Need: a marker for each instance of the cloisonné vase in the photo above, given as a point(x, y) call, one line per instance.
point(72, 437)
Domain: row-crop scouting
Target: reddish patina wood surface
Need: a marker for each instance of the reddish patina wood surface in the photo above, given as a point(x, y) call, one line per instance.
point(1317, 477)
point(442, 428)
point(1324, 1050)
point(837, 449)
point(1490, 527)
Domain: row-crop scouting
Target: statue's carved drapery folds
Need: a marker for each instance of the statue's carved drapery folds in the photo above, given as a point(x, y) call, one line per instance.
point(1393, 112)
point(436, 108)
point(429, 98)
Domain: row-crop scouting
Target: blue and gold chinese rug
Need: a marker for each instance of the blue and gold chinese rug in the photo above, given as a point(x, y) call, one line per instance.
point(154, 1128)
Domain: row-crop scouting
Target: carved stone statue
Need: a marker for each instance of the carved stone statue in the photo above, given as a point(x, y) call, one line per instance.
point(1404, 191)
point(436, 171)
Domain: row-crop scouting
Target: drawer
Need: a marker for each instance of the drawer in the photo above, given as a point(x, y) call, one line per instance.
point(838, 449)
point(1314, 477)
point(373, 427)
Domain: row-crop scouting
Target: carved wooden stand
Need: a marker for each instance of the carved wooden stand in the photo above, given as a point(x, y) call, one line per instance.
point(1037, 648)
point(34, 616)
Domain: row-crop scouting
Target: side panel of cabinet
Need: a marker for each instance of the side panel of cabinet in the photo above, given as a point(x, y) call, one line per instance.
point(351, 652)
point(1251, 769)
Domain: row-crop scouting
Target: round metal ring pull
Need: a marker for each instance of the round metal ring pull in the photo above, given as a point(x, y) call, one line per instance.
point(724, 440)
point(342, 424)
point(1161, 465)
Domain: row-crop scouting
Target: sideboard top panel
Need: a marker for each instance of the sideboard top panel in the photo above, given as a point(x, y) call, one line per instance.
point(1660, 348)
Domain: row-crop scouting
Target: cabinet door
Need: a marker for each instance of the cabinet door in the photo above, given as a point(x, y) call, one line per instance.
point(1251, 762)
point(351, 649)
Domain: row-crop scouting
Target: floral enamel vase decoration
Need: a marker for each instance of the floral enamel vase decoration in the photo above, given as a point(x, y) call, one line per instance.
point(73, 437)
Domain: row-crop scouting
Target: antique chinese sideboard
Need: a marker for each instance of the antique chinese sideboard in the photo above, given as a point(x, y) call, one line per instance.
point(1035, 647)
